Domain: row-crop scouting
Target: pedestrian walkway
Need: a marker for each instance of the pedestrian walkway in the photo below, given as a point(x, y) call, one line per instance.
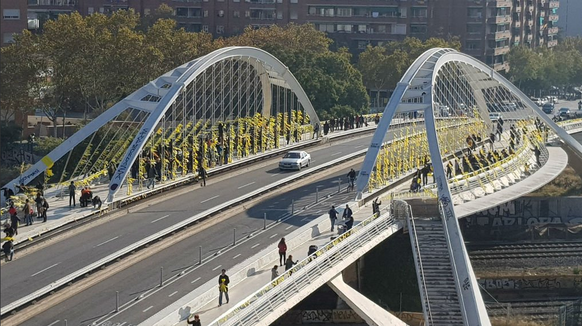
point(60, 214)
point(241, 288)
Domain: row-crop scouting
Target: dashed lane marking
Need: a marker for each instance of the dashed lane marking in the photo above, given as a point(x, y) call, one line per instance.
point(148, 308)
point(161, 218)
point(290, 226)
point(274, 235)
point(54, 322)
point(104, 242)
point(235, 257)
point(209, 199)
point(217, 267)
point(248, 184)
point(171, 294)
point(196, 280)
point(51, 266)
point(258, 244)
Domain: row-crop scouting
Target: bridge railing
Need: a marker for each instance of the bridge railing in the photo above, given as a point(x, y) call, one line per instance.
point(258, 305)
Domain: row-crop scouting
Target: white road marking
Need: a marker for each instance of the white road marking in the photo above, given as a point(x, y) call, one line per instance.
point(148, 308)
point(102, 243)
point(248, 184)
point(304, 219)
point(54, 322)
point(358, 146)
point(334, 154)
point(276, 174)
point(318, 211)
point(161, 218)
point(171, 294)
point(290, 226)
point(44, 269)
point(274, 235)
point(235, 257)
point(195, 280)
point(217, 267)
point(258, 244)
point(123, 323)
point(211, 198)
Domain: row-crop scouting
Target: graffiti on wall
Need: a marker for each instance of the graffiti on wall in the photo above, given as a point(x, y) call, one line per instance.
point(529, 211)
point(330, 316)
point(531, 283)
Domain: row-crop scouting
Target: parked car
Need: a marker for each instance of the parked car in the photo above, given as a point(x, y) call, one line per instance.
point(548, 108)
point(295, 160)
point(564, 112)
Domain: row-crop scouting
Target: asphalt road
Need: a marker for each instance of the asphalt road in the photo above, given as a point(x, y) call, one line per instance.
point(33, 271)
point(97, 303)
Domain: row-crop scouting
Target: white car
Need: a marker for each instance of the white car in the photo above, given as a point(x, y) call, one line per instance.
point(295, 160)
point(494, 116)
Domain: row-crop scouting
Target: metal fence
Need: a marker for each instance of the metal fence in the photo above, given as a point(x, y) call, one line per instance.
point(306, 272)
point(570, 314)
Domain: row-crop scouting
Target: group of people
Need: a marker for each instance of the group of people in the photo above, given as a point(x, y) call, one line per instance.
point(346, 123)
point(86, 197)
point(347, 216)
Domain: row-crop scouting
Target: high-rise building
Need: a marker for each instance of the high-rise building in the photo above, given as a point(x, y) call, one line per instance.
point(487, 28)
point(570, 12)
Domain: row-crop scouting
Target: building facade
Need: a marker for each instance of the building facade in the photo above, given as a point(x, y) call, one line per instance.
point(570, 12)
point(487, 28)
point(13, 19)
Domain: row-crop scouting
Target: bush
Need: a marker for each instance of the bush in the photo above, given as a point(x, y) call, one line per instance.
point(568, 183)
point(46, 144)
point(8, 173)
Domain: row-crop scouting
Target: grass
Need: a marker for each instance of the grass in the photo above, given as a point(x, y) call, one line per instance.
point(568, 183)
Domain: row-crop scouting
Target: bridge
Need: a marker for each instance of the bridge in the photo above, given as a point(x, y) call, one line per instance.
point(239, 103)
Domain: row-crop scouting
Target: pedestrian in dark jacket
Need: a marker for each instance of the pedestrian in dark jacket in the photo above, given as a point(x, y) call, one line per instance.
point(45, 207)
point(14, 219)
point(289, 263)
point(202, 175)
point(223, 281)
point(332, 216)
point(195, 322)
point(282, 251)
point(348, 217)
point(72, 190)
point(274, 272)
point(8, 248)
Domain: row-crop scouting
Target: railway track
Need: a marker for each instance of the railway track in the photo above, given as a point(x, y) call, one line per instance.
point(525, 251)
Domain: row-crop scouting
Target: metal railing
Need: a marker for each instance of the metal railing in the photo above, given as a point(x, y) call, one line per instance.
point(570, 314)
point(261, 303)
point(402, 205)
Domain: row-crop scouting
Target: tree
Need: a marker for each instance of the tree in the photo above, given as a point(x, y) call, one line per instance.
point(381, 70)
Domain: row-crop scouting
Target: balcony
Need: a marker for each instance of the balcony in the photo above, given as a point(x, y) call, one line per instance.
point(553, 18)
point(552, 43)
point(529, 38)
point(59, 3)
point(517, 8)
point(553, 4)
point(517, 24)
point(553, 30)
point(499, 19)
point(500, 66)
point(499, 35)
point(516, 39)
point(499, 3)
point(501, 50)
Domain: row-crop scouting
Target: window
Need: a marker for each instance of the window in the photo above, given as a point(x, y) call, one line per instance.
point(7, 38)
point(90, 10)
point(219, 29)
point(474, 13)
point(344, 28)
point(418, 29)
point(205, 28)
point(293, 14)
point(419, 12)
point(474, 28)
point(330, 28)
point(11, 14)
point(236, 14)
point(344, 12)
point(473, 45)
point(220, 13)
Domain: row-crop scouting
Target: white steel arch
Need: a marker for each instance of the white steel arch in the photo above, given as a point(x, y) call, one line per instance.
point(158, 95)
point(419, 83)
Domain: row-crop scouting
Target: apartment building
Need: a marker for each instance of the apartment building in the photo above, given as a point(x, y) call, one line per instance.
point(487, 28)
point(13, 19)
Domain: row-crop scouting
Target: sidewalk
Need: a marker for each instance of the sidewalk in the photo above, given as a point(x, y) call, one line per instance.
point(60, 214)
point(261, 277)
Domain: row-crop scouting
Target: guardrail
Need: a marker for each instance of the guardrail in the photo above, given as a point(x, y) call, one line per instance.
point(260, 304)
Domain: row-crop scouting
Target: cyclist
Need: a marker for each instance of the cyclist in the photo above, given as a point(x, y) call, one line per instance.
point(352, 177)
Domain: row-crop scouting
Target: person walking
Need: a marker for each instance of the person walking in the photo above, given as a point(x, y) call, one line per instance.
point(39, 200)
point(282, 251)
point(45, 207)
point(348, 217)
point(202, 175)
point(274, 272)
point(27, 210)
point(332, 217)
point(537, 154)
point(223, 281)
point(376, 206)
point(14, 219)
point(72, 190)
point(289, 263)
point(195, 322)
point(8, 248)
point(151, 174)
